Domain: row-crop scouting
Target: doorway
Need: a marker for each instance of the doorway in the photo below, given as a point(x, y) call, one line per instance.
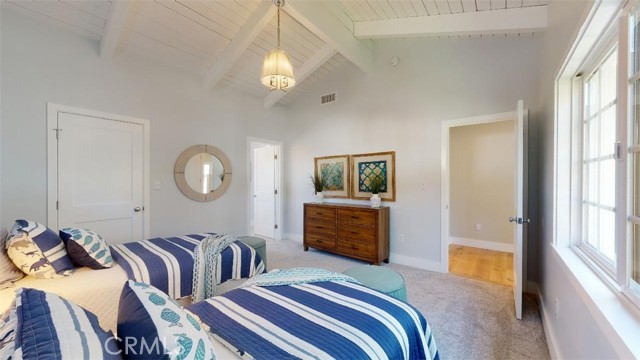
point(98, 171)
point(484, 196)
point(265, 171)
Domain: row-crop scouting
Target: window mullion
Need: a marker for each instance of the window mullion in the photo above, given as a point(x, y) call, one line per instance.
point(622, 112)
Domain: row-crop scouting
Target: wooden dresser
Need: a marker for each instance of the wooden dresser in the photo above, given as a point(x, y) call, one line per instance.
point(357, 231)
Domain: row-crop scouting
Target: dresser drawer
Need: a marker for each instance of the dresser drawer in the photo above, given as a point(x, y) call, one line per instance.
point(364, 234)
point(320, 213)
point(320, 227)
point(357, 248)
point(319, 241)
point(357, 217)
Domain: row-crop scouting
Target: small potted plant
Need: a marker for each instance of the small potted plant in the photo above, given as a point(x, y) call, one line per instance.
point(376, 185)
point(319, 184)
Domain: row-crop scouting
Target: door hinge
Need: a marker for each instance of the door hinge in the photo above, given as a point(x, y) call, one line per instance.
point(275, 157)
point(275, 226)
point(275, 191)
point(617, 150)
point(57, 205)
point(57, 130)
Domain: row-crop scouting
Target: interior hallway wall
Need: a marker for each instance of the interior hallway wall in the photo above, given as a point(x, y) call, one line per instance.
point(482, 167)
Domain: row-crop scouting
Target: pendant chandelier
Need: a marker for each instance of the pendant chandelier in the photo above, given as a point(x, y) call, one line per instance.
point(277, 71)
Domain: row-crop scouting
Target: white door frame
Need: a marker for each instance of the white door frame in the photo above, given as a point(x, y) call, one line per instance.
point(444, 180)
point(279, 171)
point(52, 159)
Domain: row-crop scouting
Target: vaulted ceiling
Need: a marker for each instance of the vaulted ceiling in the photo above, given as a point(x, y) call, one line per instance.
point(225, 41)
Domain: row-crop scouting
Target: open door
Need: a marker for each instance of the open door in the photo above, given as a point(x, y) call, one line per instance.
point(264, 192)
point(520, 218)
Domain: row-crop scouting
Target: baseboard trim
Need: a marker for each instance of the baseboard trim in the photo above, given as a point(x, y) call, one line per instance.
point(549, 333)
point(416, 262)
point(482, 244)
point(293, 237)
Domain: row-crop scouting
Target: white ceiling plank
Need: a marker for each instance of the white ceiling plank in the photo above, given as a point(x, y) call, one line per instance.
point(313, 64)
point(517, 20)
point(498, 4)
point(250, 30)
point(377, 8)
point(469, 5)
point(514, 4)
point(351, 11)
point(432, 8)
point(386, 7)
point(531, 3)
point(483, 5)
point(443, 7)
point(455, 6)
point(114, 27)
point(397, 8)
point(315, 17)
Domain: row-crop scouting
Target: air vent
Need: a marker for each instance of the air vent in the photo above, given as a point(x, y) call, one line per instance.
point(328, 98)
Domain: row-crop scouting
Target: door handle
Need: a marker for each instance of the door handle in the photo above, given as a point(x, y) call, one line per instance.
point(519, 220)
point(137, 209)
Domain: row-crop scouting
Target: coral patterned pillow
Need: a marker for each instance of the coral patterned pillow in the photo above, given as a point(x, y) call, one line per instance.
point(148, 316)
point(86, 248)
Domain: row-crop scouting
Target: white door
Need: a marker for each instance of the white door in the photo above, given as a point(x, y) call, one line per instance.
point(264, 205)
point(520, 219)
point(101, 176)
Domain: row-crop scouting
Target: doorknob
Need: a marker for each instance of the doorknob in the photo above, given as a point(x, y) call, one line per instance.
point(137, 209)
point(512, 219)
point(519, 220)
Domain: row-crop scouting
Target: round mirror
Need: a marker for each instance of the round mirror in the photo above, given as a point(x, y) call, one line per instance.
point(202, 173)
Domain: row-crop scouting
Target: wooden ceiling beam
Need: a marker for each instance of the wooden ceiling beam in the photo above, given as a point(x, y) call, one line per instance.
point(320, 20)
point(309, 67)
point(505, 21)
point(113, 28)
point(247, 34)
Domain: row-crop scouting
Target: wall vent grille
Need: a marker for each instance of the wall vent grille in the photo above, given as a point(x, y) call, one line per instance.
point(328, 98)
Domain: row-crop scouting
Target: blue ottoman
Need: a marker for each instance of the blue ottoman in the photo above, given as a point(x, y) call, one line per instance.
point(259, 244)
point(380, 278)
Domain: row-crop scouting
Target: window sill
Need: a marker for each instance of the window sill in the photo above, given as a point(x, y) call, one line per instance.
point(618, 318)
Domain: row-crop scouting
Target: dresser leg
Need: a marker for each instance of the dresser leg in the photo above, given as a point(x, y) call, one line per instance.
point(386, 261)
point(306, 248)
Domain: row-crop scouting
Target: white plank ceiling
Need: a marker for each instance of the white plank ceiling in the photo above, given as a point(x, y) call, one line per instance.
point(192, 34)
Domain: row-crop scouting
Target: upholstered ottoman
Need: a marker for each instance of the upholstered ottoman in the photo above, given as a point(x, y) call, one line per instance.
point(381, 278)
point(259, 244)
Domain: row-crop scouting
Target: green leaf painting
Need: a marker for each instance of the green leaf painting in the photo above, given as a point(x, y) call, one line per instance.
point(333, 173)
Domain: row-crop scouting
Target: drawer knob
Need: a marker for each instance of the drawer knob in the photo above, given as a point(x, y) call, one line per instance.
point(354, 232)
point(354, 247)
point(319, 240)
point(354, 217)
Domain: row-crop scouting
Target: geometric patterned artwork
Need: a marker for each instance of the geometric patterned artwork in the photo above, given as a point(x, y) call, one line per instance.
point(371, 169)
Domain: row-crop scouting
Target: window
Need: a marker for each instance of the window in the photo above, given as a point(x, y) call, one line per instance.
point(598, 163)
point(605, 157)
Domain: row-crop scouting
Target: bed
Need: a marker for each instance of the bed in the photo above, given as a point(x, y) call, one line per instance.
point(321, 320)
point(99, 290)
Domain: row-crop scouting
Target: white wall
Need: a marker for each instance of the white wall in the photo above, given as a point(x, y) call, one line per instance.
point(482, 166)
point(42, 63)
point(401, 108)
point(3, 230)
point(575, 333)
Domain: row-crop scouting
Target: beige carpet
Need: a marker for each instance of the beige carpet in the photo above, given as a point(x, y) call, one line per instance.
point(470, 319)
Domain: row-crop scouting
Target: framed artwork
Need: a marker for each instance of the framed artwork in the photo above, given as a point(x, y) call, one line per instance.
point(335, 169)
point(365, 166)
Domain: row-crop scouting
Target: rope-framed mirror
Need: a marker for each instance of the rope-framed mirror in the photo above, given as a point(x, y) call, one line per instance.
point(202, 173)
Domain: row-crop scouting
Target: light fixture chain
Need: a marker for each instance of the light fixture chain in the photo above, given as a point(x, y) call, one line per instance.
point(278, 26)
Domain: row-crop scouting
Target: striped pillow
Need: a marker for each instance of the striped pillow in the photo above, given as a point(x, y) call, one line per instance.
point(86, 248)
point(158, 327)
point(50, 327)
point(38, 250)
point(8, 271)
point(8, 327)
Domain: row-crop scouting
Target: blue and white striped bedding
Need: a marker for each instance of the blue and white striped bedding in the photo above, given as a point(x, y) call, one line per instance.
point(167, 263)
point(320, 320)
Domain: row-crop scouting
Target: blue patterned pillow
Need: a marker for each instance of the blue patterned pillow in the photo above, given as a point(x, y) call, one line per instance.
point(152, 325)
point(50, 327)
point(86, 248)
point(37, 250)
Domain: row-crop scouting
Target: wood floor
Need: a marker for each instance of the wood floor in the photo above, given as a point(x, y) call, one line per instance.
point(481, 264)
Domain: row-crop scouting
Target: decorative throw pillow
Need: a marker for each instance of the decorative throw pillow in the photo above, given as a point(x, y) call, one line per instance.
point(152, 325)
point(86, 248)
point(37, 250)
point(9, 273)
point(50, 327)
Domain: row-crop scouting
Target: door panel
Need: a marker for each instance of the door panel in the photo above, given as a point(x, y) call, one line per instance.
point(100, 176)
point(521, 219)
point(264, 191)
